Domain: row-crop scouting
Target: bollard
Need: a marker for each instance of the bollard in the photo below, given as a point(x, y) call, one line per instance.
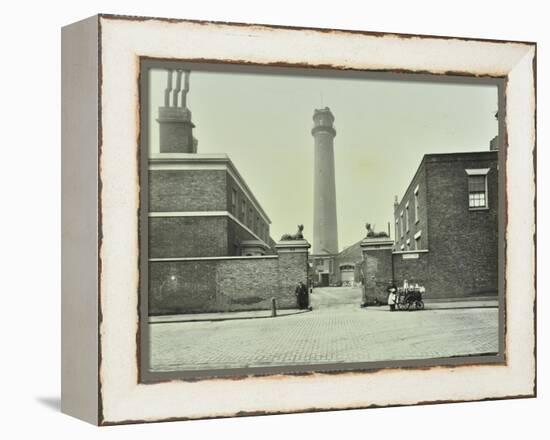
point(273, 307)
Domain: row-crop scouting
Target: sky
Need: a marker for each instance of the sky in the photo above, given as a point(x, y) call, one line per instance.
point(263, 122)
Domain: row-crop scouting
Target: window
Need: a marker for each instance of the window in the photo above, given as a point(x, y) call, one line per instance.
point(417, 242)
point(476, 191)
point(243, 210)
point(233, 201)
point(251, 219)
point(416, 217)
point(477, 188)
point(408, 244)
point(402, 232)
point(407, 216)
point(396, 229)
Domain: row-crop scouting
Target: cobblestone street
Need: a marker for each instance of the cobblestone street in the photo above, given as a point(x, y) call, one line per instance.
point(337, 330)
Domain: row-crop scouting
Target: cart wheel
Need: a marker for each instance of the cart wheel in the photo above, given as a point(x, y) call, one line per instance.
point(419, 305)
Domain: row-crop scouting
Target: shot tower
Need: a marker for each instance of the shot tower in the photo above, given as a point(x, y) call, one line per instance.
point(325, 227)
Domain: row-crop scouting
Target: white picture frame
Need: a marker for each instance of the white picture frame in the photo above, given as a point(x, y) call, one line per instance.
point(100, 249)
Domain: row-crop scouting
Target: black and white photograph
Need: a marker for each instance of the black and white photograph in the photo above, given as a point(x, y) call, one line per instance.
point(313, 220)
point(252, 220)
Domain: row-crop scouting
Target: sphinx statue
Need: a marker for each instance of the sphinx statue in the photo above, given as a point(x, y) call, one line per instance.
point(297, 236)
point(372, 234)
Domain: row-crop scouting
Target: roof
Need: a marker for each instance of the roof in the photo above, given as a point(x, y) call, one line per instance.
point(351, 251)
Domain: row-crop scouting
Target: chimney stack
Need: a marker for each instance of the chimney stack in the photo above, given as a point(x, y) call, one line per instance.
point(174, 118)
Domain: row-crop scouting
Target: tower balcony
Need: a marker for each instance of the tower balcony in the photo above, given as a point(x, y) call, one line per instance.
point(323, 129)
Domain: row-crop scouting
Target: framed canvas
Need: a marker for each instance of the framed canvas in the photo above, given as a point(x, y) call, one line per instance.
point(264, 219)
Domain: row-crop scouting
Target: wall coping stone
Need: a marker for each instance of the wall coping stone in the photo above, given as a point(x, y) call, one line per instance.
point(373, 243)
point(292, 246)
point(419, 251)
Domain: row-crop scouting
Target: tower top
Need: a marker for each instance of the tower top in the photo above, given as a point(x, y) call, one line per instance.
point(323, 121)
point(323, 113)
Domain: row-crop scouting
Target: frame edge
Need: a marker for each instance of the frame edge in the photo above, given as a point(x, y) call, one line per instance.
point(79, 220)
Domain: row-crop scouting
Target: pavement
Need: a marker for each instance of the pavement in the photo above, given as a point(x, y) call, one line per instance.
point(336, 331)
point(222, 316)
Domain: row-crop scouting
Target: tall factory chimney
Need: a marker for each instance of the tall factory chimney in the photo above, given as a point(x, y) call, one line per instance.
point(325, 227)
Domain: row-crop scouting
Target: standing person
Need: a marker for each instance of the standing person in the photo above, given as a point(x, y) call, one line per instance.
point(305, 295)
point(392, 297)
point(301, 295)
point(298, 293)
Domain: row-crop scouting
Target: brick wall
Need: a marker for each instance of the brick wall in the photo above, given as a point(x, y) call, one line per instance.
point(235, 235)
point(199, 190)
point(182, 286)
point(377, 272)
point(175, 130)
point(251, 218)
point(189, 190)
point(463, 243)
point(414, 270)
point(171, 237)
point(221, 285)
point(196, 236)
point(293, 267)
point(416, 223)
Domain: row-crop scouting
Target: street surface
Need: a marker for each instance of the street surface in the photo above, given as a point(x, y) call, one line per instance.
point(337, 330)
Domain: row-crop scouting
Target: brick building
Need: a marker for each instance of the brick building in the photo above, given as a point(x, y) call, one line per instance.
point(200, 206)
point(342, 269)
point(445, 230)
point(209, 238)
point(449, 213)
point(347, 265)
